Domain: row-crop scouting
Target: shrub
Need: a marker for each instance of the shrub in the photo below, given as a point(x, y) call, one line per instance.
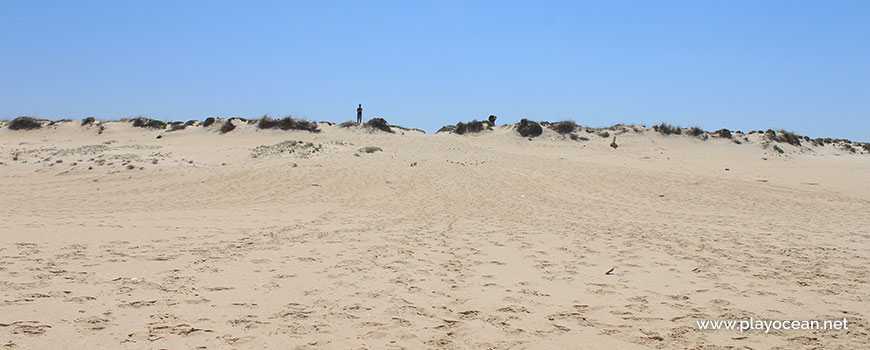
point(208, 122)
point(604, 134)
point(695, 131)
point(288, 123)
point(528, 128)
point(25, 123)
point(787, 137)
point(473, 126)
point(779, 150)
point(175, 126)
point(379, 124)
point(149, 123)
point(347, 124)
point(724, 133)
point(446, 128)
point(667, 129)
point(189, 123)
point(370, 149)
point(576, 137)
point(227, 127)
point(88, 121)
point(564, 127)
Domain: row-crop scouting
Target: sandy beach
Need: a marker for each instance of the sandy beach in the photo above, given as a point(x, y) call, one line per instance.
point(113, 238)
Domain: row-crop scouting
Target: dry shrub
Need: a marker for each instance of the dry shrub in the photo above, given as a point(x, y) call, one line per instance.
point(25, 123)
point(142, 122)
point(379, 124)
point(227, 127)
point(667, 129)
point(370, 149)
point(288, 123)
point(528, 128)
point(695, 131)
point(564, 127)
point(788, 137)
point(473, 126)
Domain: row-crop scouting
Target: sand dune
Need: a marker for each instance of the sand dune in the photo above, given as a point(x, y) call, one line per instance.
point(290, 239)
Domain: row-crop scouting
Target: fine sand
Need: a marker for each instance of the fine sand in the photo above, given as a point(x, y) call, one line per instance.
point(121, 240)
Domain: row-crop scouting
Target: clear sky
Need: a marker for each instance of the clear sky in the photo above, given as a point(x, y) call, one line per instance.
point(797, 65)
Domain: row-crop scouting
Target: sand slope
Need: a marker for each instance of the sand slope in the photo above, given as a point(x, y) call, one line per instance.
point(202, 240)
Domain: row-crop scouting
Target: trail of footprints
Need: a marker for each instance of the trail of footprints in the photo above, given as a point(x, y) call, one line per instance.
point(393, 289)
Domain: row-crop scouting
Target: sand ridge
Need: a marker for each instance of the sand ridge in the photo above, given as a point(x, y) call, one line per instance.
point(289, 239)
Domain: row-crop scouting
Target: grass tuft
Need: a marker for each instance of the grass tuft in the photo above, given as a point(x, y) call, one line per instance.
point(667, 129)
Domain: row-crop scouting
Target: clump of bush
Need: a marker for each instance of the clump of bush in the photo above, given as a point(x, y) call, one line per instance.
point(787, 137)
point(777, 149)
point(563, 127)
point(227, 127)
point(695, 131)
point(370, 149)
point(604, 134)
point(528, 128)
point(208, 122)
point(175, 126)
point(149, 123)
point(88, 121)
point(25, 123)
point(288, 123)
point(474, 126)
point(347, 124)
point(866, 146)
point(724, 133)
point(667, 129)
point(379, 124)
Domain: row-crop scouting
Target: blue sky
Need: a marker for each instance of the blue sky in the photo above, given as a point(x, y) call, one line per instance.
point(797, 65)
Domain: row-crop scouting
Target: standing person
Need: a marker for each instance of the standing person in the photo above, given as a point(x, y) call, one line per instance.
point(359, 114)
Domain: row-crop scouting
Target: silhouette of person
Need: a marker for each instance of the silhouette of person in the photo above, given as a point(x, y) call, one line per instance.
point(359, 114)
